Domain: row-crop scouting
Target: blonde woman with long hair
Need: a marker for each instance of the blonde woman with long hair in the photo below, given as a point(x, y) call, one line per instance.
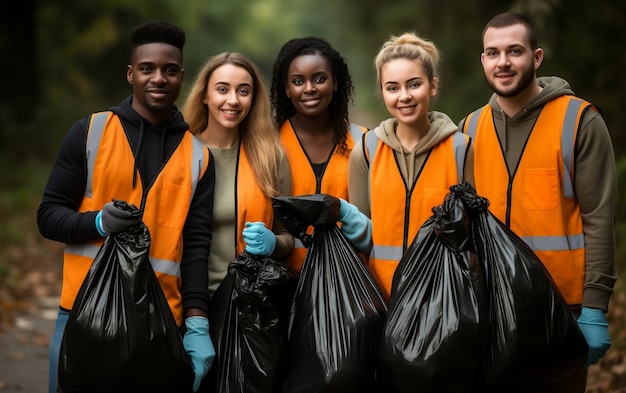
point(228, 109)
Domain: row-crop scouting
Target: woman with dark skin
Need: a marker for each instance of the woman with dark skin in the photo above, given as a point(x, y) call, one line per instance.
point(311, 93)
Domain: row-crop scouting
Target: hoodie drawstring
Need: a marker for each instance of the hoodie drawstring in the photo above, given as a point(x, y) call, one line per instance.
point(138, 153)
point(139, 145)
point(163, 132)
point(505, 142)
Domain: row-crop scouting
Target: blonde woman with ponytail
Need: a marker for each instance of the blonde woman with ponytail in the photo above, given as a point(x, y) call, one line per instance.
point(228, 109)
point(406, 165)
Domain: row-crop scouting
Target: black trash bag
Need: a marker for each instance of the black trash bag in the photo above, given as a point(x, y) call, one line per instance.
point(297, 214)
point(121, 335)
point(338, 311)
point(249, 336)
point(535, 337)
point(437, 329)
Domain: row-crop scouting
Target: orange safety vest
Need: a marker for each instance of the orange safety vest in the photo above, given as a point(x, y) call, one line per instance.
point(252, 204)
point(109, 175)
point(397, 216)
point(334, 180)
point(537, 201)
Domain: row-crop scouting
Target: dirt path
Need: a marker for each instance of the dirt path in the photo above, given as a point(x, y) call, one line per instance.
point(24, 349)
point(29, 290)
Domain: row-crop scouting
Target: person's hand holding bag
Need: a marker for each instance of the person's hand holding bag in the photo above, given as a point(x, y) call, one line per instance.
point(199, 347)
point(259, 239)
point(355, 226)
point(112, 219)
point(592, 323)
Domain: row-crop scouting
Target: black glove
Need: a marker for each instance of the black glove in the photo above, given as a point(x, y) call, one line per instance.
point(115, 220)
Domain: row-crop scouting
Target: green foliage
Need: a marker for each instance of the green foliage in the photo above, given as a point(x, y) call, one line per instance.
point(584, 44)
point(19, 196)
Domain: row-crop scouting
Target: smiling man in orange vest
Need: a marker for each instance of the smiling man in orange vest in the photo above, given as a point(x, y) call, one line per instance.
point(141, 152)
point(544, 159)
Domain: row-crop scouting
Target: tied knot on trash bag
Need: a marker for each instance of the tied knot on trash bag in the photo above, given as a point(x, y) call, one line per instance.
point(467, 194)
point(297, 214)
point(452, 224)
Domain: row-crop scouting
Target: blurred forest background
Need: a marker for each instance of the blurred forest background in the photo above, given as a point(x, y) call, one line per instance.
point(66, 59)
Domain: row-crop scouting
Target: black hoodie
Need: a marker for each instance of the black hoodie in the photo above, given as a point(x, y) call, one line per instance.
point(58, 218)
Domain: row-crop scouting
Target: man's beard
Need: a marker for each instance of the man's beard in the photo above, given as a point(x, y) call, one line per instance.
point(525, 81)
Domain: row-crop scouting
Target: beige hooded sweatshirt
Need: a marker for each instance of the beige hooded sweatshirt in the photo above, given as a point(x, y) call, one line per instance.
point(409, 162)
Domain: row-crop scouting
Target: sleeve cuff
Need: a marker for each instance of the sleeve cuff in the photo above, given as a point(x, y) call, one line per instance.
point(99, 224)
point(596, 298)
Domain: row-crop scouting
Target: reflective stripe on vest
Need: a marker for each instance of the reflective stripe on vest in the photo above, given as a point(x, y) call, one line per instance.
point(389, 253)
point(552, 243)
point(470, 128)
point(356, 132)
point(570, 124)
point(90, 250)
point(197, 156)
point(94, 137)
point(460, 146)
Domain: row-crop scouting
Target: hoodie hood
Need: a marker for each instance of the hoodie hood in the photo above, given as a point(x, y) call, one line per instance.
point(410, 162)
point(441, 127)
point(513, 131)
point(152, 144)
point(552, 87)
point(129, 116)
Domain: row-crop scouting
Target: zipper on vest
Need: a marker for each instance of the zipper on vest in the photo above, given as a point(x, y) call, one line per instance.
point(509, 193)
point(407, 198)
point(407, 215)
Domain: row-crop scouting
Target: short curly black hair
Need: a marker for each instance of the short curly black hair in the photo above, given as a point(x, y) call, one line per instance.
point(282, 106)
point(157, 31)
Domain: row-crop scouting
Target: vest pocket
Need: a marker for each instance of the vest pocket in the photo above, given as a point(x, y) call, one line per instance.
point(174, 204)
point(541, 189)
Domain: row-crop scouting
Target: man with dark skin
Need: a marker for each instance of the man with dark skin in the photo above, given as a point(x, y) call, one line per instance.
point(140, 152)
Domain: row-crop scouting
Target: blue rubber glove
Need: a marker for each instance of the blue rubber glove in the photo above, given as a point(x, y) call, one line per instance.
point(592, 323)
point(199, 347)
point(259, 240)
point(355, 226)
